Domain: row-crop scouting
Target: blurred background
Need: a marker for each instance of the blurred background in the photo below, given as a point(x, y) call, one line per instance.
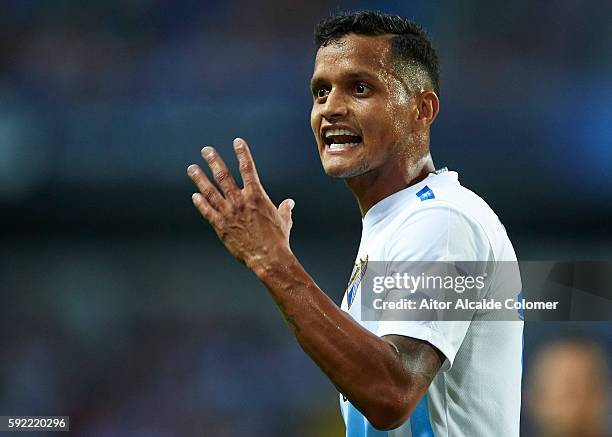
point(120, 307)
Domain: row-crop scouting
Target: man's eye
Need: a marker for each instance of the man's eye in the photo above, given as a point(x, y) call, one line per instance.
point(321, 92)
point(361, 88)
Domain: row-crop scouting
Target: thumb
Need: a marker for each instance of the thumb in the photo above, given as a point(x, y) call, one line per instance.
point(284, 209)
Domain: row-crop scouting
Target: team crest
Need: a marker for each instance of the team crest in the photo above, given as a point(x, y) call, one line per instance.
point(356, 277)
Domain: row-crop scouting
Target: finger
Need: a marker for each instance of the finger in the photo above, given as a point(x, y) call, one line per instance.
point(246, 165)
point(220, 172)
point(206, 187)
point(284, 210)
point(206, 209)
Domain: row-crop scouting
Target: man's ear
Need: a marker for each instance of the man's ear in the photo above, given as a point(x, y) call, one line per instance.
point(428, 106)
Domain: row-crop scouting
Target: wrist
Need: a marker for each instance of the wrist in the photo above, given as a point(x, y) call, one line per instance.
point(275, 260)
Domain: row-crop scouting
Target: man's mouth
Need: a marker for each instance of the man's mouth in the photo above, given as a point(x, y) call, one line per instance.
point(341, 139)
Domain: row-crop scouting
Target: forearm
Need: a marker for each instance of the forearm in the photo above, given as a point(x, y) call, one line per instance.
point(365, 368)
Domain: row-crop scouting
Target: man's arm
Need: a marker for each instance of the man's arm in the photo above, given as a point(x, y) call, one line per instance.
point(384, 378)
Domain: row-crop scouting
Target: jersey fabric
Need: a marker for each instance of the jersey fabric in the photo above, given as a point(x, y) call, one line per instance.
point(477, 392)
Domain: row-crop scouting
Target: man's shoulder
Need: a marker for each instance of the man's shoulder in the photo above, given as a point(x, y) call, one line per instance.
point(444, 194)
point(445, 187)
point(448, 212)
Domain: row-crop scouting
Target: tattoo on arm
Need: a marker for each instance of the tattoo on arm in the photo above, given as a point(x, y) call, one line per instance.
point(419, 357)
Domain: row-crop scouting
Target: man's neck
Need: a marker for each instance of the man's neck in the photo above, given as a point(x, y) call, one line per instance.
point(373, 186)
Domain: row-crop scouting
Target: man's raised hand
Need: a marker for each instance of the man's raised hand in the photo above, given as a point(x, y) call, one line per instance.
point(245, 219)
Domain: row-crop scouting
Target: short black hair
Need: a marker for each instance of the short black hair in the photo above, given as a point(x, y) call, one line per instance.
point(410, 45)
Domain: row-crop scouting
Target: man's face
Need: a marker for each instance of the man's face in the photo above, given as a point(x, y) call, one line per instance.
point(566, 394)
point(361, 110)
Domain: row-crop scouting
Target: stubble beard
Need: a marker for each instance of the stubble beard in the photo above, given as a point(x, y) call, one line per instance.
point(361, 168)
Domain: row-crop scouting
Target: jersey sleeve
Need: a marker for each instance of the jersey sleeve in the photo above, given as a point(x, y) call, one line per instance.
point(438, 231)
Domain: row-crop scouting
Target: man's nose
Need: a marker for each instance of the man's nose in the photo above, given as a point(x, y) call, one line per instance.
point(335, 105)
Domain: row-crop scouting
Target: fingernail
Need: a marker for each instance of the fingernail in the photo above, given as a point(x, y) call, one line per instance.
point(196, 197)
point(238, 143)
point(208, 152)
point(291, 203)
point(192, 170)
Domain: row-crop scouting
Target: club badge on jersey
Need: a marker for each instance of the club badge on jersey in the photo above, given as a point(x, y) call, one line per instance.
point(356, 276)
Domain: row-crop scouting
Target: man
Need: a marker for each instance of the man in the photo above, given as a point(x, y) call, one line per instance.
point(569, 389)
point(375, 95)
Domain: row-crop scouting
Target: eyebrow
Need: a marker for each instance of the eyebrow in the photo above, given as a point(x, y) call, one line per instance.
point(350, 76)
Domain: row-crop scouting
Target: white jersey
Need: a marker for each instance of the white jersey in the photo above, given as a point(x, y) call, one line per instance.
point(477, 392)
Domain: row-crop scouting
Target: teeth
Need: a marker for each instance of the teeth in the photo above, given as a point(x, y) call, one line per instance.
point(342, 146)
point(331, 132)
